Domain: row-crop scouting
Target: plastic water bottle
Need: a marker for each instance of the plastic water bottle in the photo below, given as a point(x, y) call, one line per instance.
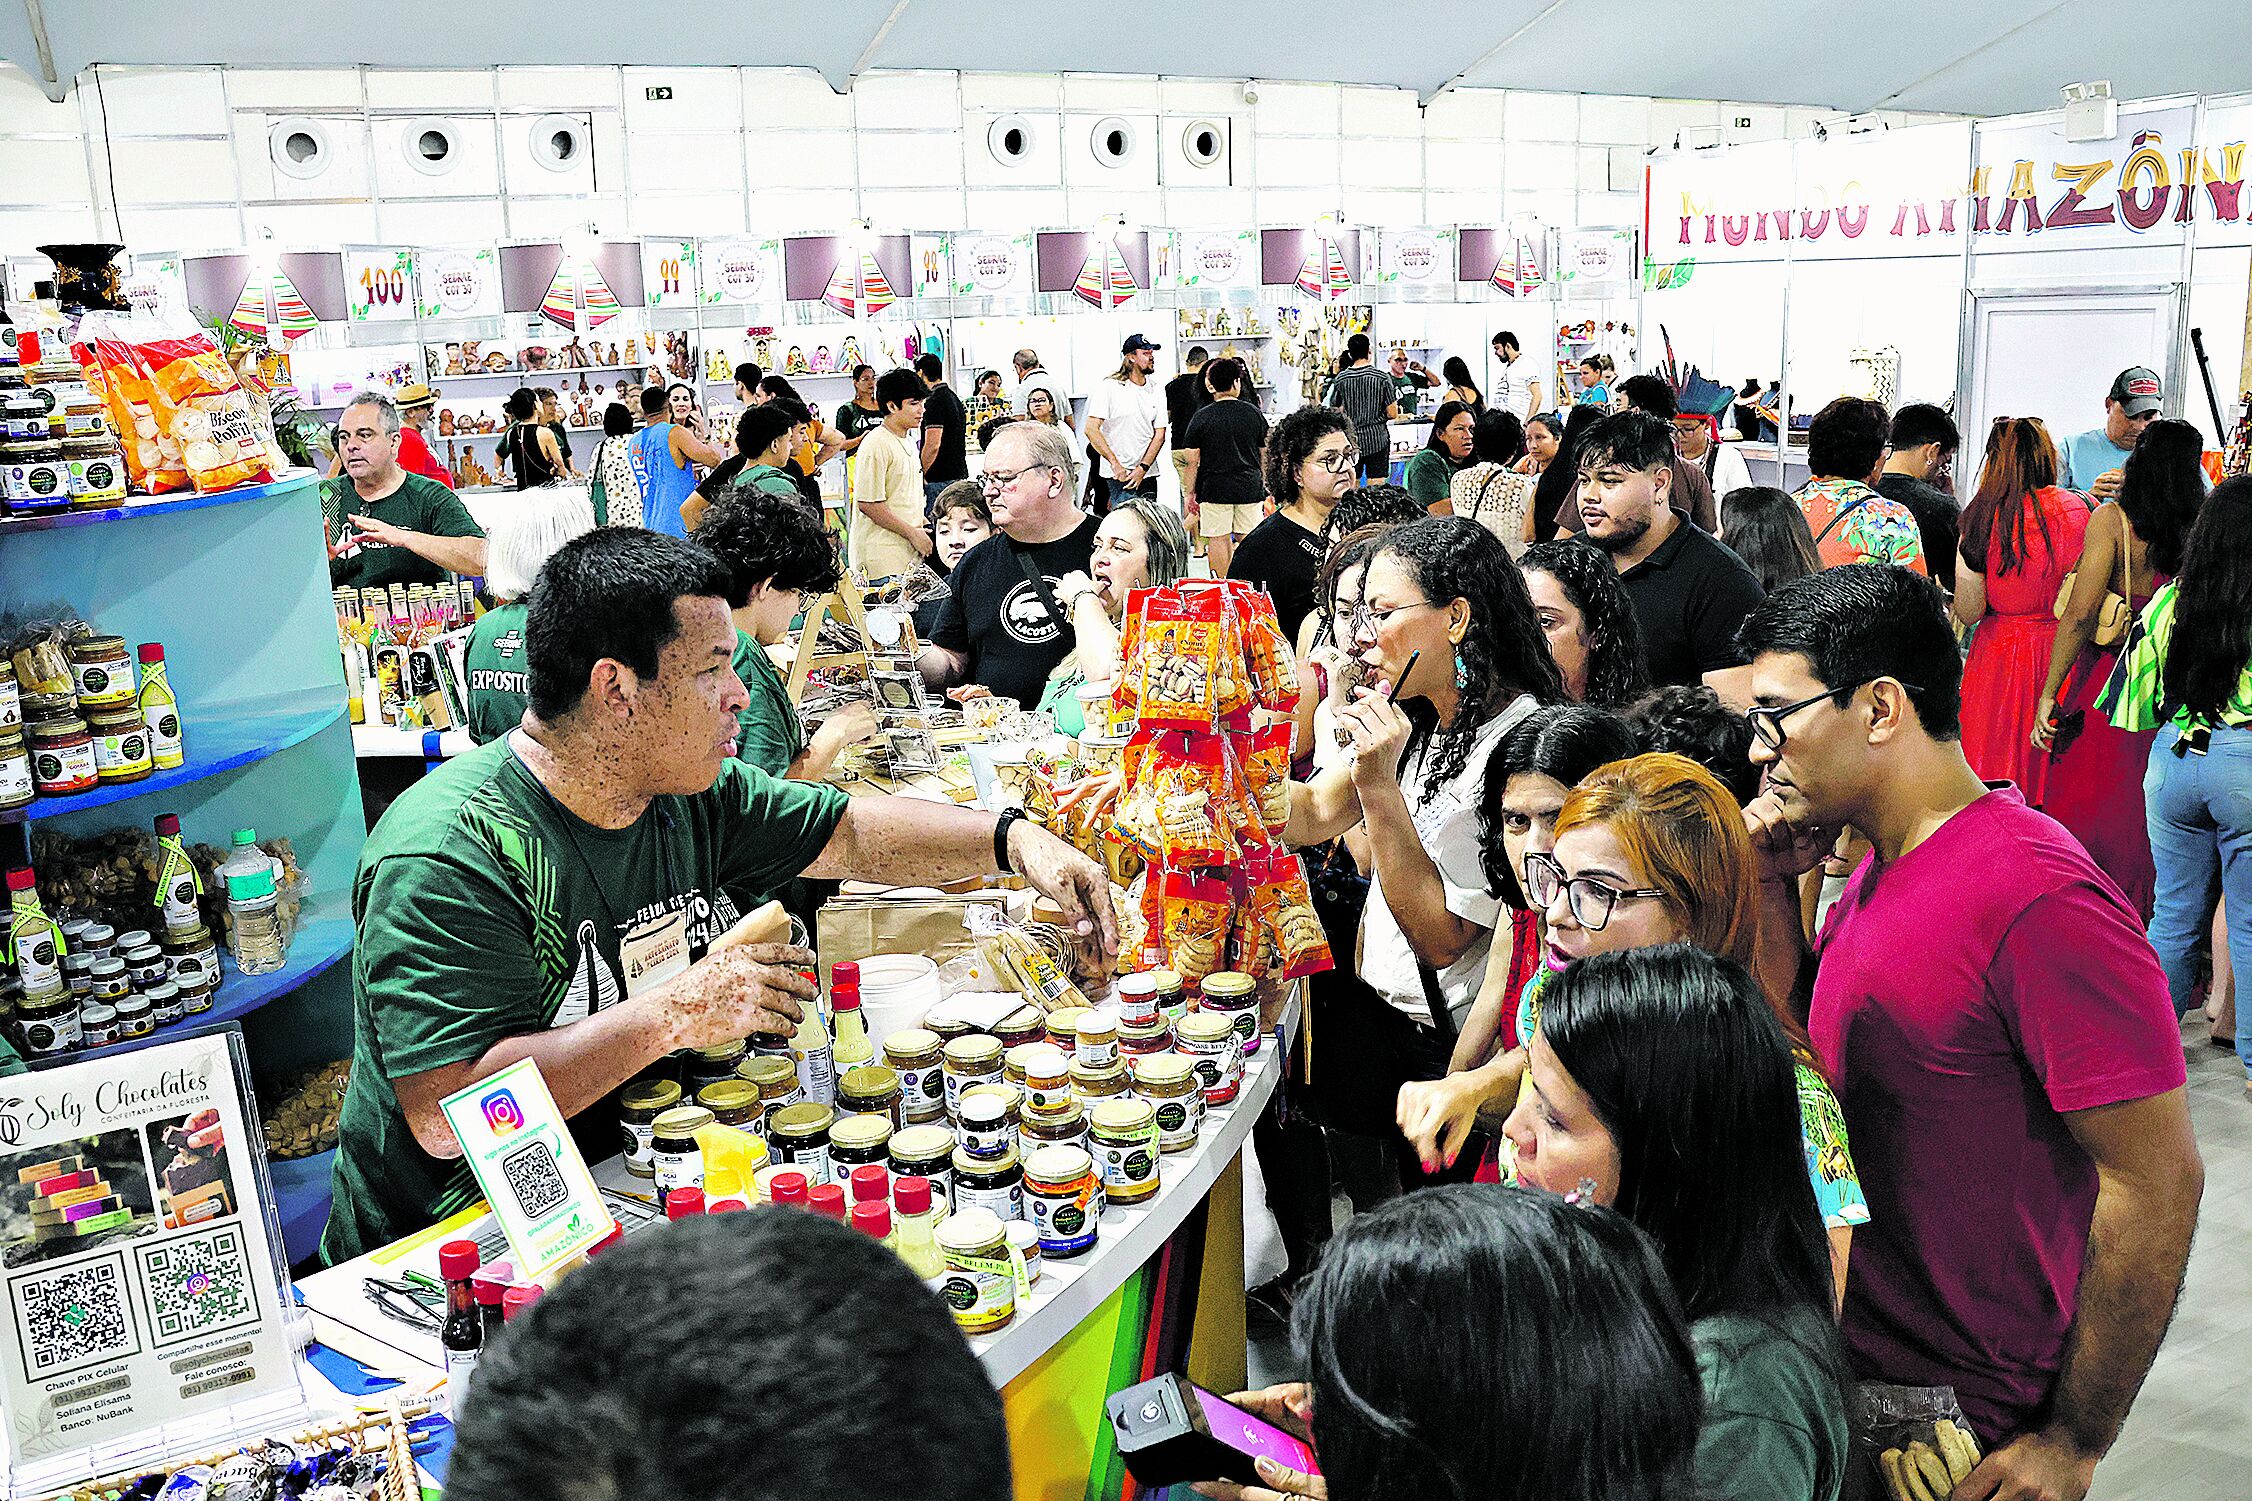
point(254, 933)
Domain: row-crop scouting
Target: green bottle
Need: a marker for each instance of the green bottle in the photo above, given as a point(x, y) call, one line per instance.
point(178, 882)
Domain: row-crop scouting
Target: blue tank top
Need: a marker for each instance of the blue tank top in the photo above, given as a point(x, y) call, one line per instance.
point(665, 485)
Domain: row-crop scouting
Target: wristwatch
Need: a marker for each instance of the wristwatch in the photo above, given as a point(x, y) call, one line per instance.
point(1001, 828)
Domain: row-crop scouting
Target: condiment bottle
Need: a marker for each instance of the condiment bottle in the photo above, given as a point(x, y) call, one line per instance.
point(789, 1189)
point(817, 1067)
point(850, 1048)
point(827, 1200)
point(870, 1182)
point(463, 1333)
point(873, 1219)
point(35, 944)
point(915, 1227)
point(684, 1203)
point(178, 882)
point(159, 709)
point(488, 1292)
point(517, 1300)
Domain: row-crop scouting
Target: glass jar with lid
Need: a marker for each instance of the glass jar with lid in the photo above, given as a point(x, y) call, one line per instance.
point(33, 476)
point(639, 1105)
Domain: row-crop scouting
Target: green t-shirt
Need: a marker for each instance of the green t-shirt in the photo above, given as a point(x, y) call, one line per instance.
point(852, 419)
point(772, 481)
point(486, 910)
point(419, 505)
point(1429, 478)
point(500, 681)
point(768, 734)
point(1773, 1416)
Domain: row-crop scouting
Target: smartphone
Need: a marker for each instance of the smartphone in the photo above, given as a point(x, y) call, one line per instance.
point(1171, 1431)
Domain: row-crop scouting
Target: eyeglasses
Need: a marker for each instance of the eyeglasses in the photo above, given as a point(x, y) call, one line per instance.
point(1361, 619)
point(1767, 723)
point(1590, 900)
point(1001, 479)
point(1344, 461)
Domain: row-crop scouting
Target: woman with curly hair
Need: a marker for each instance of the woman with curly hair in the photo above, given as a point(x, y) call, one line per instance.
point(1453, 659)
point(779, 560)
point(1590, 623)
point(1311, 462)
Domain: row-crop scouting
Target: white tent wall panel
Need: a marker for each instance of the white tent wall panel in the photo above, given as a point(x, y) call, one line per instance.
point(436, 92)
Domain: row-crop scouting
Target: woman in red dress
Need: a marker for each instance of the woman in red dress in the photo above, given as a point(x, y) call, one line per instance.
point(2095, 769)
point(2021, 536)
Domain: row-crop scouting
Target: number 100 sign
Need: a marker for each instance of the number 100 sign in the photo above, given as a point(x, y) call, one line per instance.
point(379, 285)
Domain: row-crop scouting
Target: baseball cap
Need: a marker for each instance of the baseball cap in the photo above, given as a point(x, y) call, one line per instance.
point(1136, 341)
point(2138, 392)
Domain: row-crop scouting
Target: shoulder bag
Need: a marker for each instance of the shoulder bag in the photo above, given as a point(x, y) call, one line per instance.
point(2111, 615)
point(1041, 586)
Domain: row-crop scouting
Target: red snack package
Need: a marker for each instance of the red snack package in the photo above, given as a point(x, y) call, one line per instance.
point(1195, 915)
point(1193, 814)
point(201, 406)
point(1268, 655)
point(1177, 657)
point(1285, 904)
point(1266, 770)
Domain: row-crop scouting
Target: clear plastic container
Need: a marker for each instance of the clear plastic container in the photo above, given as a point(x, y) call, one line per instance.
point(254, 930)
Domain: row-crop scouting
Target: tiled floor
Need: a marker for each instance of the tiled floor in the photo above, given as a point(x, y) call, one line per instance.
point(2190, 1435)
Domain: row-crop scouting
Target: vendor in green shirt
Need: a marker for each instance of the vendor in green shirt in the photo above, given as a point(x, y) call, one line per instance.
point(780, 561)
point(498, 681)
point(1448, 451)
point(554, 895)
point(386, 526)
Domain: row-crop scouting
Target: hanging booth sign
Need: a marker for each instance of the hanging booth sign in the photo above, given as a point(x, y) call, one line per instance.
point(744, 273)
point(156, 284)
point(1511, 260)
point(273, 298)
point(1105, 269)
point(987, 265)
point(142, 1284)
point(668, 272)
point(932, 257)
point(1415, 257)
point(1596, 257)
point(1323, 266)
point(379, 284)
point(459, 282)
point(854, 276)
point(1215, 260)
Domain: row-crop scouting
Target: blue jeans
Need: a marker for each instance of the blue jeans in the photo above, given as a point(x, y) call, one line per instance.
point(1119, 493)
point(2199, 811)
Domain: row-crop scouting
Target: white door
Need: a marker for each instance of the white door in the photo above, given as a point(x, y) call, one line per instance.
point(2052, 355)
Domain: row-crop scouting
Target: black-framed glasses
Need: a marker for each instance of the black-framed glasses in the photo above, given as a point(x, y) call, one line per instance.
point(1767, 723)
point(1345, 461)
point(1001, 479)
point(1360, 618)
point(1591, 901)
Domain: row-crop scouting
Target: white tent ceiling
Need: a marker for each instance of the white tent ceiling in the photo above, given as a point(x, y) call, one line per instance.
point(1979, 57)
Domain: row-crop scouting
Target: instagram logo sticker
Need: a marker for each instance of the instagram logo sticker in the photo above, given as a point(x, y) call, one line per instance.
point(502, 1113)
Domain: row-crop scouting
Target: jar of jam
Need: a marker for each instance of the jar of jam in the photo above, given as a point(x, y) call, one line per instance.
point(733, 1102)
point(97, 1024)
point(872, 1089)
point(97, 940)
point(16, 786)
point(62, 757)
point(771, 1045)
point(712, 1064)
point(980, 1284)
point(1047, 1075)
point(1096, 1039)
point(1063, 1026)
point(1064, 1126)
point(82, 412)
point(925, 1152)
point(969, 1062)
point(1233, 996)
point(857, 1141)
point(947, 1028)
point(1167, 1083)
point(144, 964)
point(50, 1024)
point(639, 1105)
point(23, 417)
point(101, 671)
point(121, 745)
point(33, 477)
point(1063, 1199)
point(193, 957)
point(1141, 1039)
point(1208, 1041)
point(676, 1160)
point(1172, 994)
point(78, 973)
point(989, 1127)
point(135, 1018)
point(165, 1003)
point(777, 1081)
point(131, 939)
point(799, 1135)
point(1023, 1025)
point(1094, 1085)
point(96, 469)
point(1137, 1000)
point(994, 1184)
point(914, 1052)
point(1124, 1138)
point(111, 982)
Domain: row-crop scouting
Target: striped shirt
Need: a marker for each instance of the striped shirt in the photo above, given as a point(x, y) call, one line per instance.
point(2143, 700)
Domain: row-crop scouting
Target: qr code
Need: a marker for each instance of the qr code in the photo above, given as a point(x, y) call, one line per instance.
point(72, 1317)
point(535, 1179)
point(198, 1285)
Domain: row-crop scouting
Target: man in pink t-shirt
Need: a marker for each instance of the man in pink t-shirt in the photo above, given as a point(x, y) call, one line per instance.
point(1999, 1032)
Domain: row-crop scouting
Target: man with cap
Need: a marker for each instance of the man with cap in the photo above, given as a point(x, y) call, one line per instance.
point(2091, 462)
point(416, 403)
point(1126, 423)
